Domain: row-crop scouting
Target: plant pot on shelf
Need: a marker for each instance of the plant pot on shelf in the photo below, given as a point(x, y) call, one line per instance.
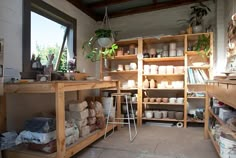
point(197, 29)
point(106, 42)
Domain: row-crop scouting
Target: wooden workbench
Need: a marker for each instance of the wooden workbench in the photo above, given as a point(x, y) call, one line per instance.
point(58, 88)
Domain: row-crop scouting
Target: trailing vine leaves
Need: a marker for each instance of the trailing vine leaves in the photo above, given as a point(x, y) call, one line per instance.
point(109, 52)
point(203, 46)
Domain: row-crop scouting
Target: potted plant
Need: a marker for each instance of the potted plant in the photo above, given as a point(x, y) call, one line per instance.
point(104, 37)
point(198, 12)
point(203, 46)
point(108, 53)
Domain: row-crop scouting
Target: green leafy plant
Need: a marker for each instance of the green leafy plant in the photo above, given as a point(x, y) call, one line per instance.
point(109, 52)
point(89, 47)
point(203, 46)
point(198, 12)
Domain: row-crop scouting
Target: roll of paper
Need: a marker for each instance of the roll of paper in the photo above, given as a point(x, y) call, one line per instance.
point(180, 125)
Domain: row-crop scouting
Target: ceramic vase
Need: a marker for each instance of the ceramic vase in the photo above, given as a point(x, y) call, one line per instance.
point(146, 83)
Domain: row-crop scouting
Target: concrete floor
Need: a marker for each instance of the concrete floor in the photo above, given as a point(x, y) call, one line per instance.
point(153, 142)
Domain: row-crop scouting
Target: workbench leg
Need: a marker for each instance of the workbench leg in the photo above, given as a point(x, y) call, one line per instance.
point(60, 120)
point(3, 112)
point(206, 123)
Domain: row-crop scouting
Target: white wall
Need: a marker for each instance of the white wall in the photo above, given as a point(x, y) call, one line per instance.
point(11, 31)
point(156, 22)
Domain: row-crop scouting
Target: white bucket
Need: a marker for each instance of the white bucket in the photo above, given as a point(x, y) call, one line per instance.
point(107, 102)
point(227, 148)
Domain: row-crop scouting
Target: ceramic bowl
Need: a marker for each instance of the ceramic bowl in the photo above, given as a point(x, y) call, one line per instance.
point(157, 114)
point(164, 114)
point(145, 99)
point(165, 100)
point(152, 99)
point(171, 114)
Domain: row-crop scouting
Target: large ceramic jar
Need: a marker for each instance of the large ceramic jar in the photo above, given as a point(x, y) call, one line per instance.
point(152, 83)
point(146, 83)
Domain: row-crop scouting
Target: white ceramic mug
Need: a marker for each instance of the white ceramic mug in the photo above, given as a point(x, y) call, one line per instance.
point(180, 100)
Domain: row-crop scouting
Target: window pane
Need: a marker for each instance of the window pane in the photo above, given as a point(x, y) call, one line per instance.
point(46, 37)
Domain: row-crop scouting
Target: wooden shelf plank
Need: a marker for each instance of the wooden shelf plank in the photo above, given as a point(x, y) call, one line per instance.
point(161, 75)
point(164, 119)
point(196, 97)
point(155, 103)
point(125, 57)
point(123, 89)
point(221, 122)
point(181, 58)
point(164, 89)
point(196, 84)
point(118, 72)
point(214, 143)
point(195, 121)
point(199, 67)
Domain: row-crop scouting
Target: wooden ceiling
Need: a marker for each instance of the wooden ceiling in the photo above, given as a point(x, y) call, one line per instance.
point(116, 8)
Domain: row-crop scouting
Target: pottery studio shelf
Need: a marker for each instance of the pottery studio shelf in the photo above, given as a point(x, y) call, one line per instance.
point(196, 97)
point(164, 89)
point(161, 75)
point(164, 59)
point(125, 57)
point(163, 119)
point(155, 103)
point(121, 72)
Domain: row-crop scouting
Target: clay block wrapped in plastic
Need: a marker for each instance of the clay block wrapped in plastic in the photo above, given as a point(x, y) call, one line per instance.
point(81, 123)
point(40, 125)
point(100, 122)
point(92, 128)
point(92, 113)
point(91, 120)
point(77, 106)
point(79, 115)
point(84, 131)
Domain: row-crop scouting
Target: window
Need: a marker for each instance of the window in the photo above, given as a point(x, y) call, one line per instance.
point(46, 31)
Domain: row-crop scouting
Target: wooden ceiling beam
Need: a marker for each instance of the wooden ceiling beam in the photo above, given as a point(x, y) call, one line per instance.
point(106, 3)
point(84, 9)
point(153, 7)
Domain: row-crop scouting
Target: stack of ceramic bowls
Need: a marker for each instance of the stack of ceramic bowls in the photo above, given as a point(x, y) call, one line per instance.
point(165, 52)
point(162, 70)
point(180, 51)
point(169, 69)
point(154, 69)
point(172, 49)
point(146, 69)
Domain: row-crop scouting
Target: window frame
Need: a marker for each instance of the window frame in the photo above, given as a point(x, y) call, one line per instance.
point(42, 8)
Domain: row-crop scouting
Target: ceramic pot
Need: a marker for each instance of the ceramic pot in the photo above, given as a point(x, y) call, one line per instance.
point(146, 69)
point(152, 83)
point(119, 52)
point(164, 114)
point(145, 99)
point(146, 55)
point(171, 114)
point(172, 100)
point(165, 100)
point(148, 114)
point(133, 66)
point(105, 42)
point(158, 100)
point(169, 69)
point(153, 69)
point(120, 67)
point(152, 100)
point(152, 53)
point(146, 83)
point(179, 115)
point(127, 67)
point(157, 114)
point(180, 100)
point(189, 30)
point(172, 46)
point(197, 29)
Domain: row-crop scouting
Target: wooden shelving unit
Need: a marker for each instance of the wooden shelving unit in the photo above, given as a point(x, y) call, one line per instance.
point(58, 88)
point(224, 91)
point(155, 103)
point(186, 61)
point(163, 119)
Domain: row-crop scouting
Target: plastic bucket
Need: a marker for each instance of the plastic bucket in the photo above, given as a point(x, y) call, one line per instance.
point(227, 148)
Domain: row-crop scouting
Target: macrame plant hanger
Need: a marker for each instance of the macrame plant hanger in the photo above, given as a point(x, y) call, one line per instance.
point(106, 26)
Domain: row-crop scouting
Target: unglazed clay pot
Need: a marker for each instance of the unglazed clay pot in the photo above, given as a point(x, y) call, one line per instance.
point(165, 100)
point(179, 115)
point(157, 114)
point(146, 83)
point(164, 114)
point(158, 100)
point(171, 114)
point(145, 99)
point(152, 99)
